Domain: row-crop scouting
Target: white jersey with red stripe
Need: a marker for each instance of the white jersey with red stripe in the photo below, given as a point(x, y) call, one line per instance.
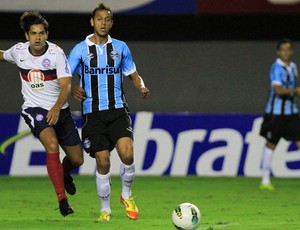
point(39, 74)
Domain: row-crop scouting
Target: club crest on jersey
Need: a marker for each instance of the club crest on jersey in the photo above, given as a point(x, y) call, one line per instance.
point(36, 79)
point(114, 55)
point(46, 63)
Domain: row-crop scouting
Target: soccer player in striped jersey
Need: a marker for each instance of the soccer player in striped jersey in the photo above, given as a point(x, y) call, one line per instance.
point(46, 81)
point(101, 63)
point(281, 117)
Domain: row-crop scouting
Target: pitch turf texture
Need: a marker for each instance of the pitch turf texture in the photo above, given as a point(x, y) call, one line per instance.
point(225, 203)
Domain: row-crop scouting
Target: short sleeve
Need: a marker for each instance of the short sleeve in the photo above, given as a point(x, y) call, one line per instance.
point(9, 55)
point(62, 65)
point(128, 66)
point(276, 75)
point(74, 59)
point(296, 70)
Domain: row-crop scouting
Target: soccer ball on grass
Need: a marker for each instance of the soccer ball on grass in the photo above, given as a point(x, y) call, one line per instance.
point(186, 216)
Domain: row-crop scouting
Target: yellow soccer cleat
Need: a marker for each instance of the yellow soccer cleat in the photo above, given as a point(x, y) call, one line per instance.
point(131, 208)
point(104, 216)
point(268, 187)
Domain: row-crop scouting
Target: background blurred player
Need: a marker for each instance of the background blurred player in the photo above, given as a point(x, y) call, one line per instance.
point(101, 62)
point(46, 81)
point(281, 117)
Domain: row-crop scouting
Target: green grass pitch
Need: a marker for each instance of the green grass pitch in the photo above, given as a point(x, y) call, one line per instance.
point(225, 203)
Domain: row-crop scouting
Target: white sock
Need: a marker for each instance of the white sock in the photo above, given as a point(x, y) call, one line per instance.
point(127, 176)
point(103, 189)
point(266, 165)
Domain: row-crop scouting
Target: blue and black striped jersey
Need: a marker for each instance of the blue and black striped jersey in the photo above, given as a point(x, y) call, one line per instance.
point(285, 76)
point(101, 68)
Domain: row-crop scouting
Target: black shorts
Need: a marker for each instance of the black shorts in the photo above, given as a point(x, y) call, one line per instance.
point(275, 127)
point(65, 129)
point(101, 130)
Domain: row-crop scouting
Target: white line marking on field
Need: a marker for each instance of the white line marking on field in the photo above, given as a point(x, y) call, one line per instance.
point(218, 226)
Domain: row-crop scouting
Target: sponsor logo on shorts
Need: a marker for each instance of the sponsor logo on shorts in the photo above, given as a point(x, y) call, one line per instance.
point(87, 143)
point(39, 117)
point(46, 63)
point(129, 129)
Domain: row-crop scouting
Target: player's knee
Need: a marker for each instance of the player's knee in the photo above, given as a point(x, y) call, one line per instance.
point(78, 160)
point(103, 162)
point(271, 145)
point(103, 167)
point(51, 145)
point(125, 152)
point(127, 158)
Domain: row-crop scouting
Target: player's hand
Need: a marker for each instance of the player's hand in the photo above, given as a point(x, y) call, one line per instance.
point(78, 93)
point(145, 92)
point(53, 115)
point(298, 90)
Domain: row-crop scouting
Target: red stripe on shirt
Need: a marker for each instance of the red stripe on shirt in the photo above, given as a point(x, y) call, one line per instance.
point(47, 77)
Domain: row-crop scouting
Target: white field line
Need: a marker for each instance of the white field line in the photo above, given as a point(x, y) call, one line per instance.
point(216, 226)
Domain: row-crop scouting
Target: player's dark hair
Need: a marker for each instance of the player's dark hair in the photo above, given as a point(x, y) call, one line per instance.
point(102, 7)
point(32, 18)
point(283, 41)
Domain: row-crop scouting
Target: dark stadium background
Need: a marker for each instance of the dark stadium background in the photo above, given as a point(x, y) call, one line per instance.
point(207, 63)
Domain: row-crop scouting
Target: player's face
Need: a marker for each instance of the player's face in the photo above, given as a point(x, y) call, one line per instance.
point(285, 52)
point(37, 37)
point(102, 23)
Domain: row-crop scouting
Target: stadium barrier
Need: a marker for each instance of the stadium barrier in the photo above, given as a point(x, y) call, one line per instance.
point(165, 144)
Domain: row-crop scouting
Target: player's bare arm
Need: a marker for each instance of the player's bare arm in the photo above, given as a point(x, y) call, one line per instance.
point(279, 90)
point(140, 85)
point(53, 114)
point(1, 55)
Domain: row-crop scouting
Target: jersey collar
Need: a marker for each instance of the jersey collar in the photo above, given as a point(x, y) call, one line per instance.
point(278, 60)
point(88, 41)
point(47, 47)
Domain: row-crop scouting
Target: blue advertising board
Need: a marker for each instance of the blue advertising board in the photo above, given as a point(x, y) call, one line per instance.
point(176, 144)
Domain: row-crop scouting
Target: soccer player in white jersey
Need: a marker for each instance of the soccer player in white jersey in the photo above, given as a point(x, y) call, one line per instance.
point(102, 62)
point(281, 119)
point(46, 81)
